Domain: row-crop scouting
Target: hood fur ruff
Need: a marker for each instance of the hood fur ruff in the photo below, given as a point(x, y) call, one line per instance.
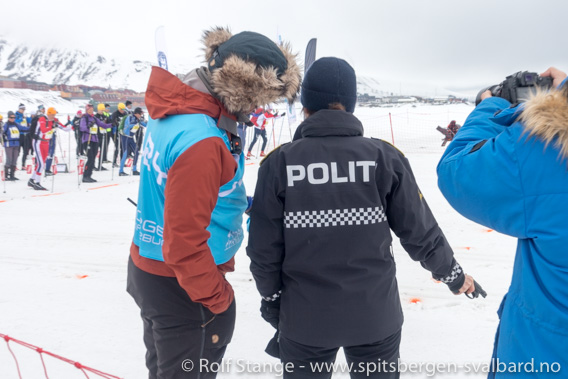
point(241, 85)
point(545, 116)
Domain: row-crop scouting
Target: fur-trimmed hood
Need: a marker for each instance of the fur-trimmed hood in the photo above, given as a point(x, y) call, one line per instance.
point(545, 116)
point(248, 70)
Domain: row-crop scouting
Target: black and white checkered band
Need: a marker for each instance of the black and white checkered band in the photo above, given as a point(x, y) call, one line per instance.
point(456, 271)
point(273, 297)
point(334, 217)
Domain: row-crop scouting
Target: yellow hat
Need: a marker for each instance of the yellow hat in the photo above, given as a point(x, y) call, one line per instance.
point(101, 107)
point(1, 117)
point(51, 111)
point(121, 106)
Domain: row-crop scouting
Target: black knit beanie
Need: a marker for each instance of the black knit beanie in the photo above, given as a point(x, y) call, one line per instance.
point(329, 80)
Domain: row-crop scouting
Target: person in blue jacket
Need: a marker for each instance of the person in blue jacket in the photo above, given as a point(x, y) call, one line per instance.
point(507, 169)
point(11, 132)
point(132, 124)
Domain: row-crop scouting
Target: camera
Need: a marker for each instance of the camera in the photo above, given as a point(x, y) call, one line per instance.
point(517, 87)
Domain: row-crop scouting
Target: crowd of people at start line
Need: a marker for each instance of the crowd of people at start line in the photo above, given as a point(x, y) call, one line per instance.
point(35, 137)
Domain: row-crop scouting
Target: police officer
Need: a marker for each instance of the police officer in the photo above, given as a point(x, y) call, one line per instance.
point(320, 240)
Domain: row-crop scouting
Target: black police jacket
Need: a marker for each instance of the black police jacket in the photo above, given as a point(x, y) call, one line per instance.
point(320, 240)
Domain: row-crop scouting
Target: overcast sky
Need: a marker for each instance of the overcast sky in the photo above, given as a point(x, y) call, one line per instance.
point(456, 44)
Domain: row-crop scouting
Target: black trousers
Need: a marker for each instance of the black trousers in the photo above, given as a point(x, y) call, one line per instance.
point(376, 360)
point(262, 134)
point(91, 148)
point(26, 142)
point(182, 338)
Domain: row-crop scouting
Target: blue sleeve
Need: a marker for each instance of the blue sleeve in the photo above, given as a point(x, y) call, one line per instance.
point(23, 128)
point(479, 173)
point(127, 126)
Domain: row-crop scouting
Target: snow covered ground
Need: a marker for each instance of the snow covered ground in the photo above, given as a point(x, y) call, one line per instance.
point(63, 262)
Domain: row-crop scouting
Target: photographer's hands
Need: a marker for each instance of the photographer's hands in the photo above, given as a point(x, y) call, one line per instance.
point(486, 95)
point(556, 75)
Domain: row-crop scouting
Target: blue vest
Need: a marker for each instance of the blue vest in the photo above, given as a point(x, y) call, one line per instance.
point(166, 139)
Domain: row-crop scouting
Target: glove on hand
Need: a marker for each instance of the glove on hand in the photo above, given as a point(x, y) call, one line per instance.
point(270, 312)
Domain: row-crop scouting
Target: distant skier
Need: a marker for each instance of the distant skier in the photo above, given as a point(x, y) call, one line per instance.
point(260, 119)
point(449, 132)
point(76, 122)
point(103, 136)
point(132, 124)
point(11, 136)
point(115, 120)
point(46, 127)
point(26, 139)
point(89, 128)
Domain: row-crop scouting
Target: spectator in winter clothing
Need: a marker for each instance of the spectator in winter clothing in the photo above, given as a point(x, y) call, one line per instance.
point(507, 169)
point(115, 120)
point(339, 290)
point(132, 124)
point(191, 198)
point(89, 127)
point(12, 136)
point(46, 127)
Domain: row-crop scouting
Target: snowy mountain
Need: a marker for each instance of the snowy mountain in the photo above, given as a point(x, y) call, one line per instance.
point(386, 87)
point(62, 66)
point(66, 66)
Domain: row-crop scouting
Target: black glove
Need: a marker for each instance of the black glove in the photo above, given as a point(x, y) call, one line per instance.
point(270, 312)
point(283, 114)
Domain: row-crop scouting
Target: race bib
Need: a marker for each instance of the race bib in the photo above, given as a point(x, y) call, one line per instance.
point(135, 128)
point(14, 133)
point(24, 122)
point(103, 131)
point(49, 135)
point(93, 129)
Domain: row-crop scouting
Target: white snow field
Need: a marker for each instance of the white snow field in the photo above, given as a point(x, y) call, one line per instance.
point(63, 258)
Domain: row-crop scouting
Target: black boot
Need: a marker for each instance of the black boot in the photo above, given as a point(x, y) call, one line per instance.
point(7, 173)
point(14, 173)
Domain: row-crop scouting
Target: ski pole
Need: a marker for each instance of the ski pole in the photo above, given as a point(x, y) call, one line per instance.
point(101, 147)
point(53, 160)
point(112, 165)
point(273, 135)
point(281, 127)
